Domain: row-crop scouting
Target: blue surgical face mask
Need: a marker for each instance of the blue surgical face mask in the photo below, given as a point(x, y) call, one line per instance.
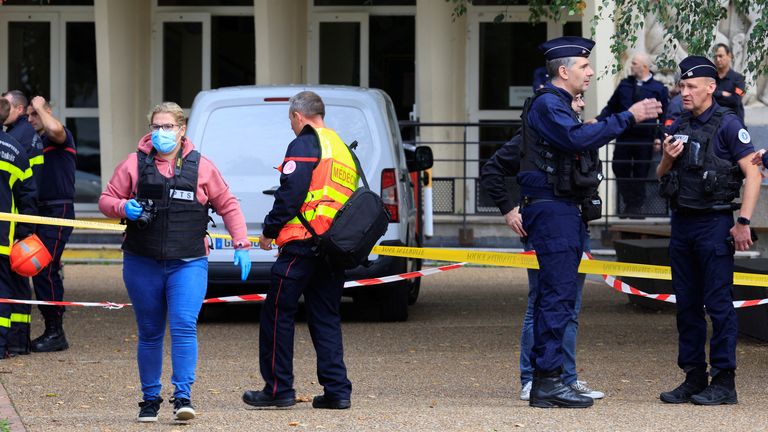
point(163, 141)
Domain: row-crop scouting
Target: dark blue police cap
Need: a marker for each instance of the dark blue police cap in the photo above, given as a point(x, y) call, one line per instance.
point(697, 66)
point(566, 46)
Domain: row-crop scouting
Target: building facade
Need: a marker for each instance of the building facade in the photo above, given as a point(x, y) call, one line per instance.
point(104, 63)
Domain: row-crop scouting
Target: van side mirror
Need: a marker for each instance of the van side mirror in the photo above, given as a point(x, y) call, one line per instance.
point(419, 159)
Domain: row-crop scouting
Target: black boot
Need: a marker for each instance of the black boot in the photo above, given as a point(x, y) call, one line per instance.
point(721, 391)
point(548, 391)
point(695, 382)
point(52, 339)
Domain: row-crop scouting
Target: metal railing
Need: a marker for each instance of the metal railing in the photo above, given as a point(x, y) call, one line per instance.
point(462, 148)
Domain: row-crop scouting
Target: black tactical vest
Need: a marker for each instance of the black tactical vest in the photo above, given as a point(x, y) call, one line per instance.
point(572, 175)
point(179, 224)
point(699, 179)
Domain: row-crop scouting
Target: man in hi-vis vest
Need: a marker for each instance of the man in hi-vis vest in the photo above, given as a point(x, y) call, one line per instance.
point(318, 176)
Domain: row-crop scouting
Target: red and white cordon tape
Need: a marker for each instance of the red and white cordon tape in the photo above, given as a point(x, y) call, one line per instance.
point(624, 287)
point(251, 297)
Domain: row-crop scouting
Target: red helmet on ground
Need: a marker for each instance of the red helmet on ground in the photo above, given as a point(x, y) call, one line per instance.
point(29, 256)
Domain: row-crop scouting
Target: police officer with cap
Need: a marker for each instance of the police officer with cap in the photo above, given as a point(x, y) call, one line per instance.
point(707, 156)
point(559, 171)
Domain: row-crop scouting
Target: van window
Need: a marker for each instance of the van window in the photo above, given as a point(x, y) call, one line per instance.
point(248, 142)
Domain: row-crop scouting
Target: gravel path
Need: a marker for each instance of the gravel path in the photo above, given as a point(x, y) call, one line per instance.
point(451, 367)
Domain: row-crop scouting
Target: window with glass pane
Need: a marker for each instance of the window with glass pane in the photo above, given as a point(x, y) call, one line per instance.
point(48, 2)
point(508, 57)
point(365, 2)
point(29, 58)
point(182, 61)
point(85, 130)
point(572, 28)
point(205, 2)
point(392, 59)
point(233, 51)
point(340, 53)
point(82, 91)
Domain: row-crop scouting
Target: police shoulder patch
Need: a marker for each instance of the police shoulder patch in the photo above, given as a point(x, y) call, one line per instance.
point(744, 136)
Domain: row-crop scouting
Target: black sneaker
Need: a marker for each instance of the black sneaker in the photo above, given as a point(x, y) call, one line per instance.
point(148, 410)
point(182, 409)
point(323, 402)
point(260, 399)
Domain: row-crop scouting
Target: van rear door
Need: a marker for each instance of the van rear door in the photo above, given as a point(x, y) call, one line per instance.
point(247, 143)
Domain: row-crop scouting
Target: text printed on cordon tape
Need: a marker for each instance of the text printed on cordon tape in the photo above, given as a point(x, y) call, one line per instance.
point(251, 297)
point(597, 267)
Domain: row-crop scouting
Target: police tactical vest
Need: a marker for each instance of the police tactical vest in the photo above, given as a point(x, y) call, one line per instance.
point(572, 175)
point(179, 226)
point(703, 180)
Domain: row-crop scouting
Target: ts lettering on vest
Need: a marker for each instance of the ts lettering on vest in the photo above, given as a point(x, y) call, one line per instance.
point(182, 195)
point(683, 138)
point(343, 176)
point(744, 136)
point(289, 167)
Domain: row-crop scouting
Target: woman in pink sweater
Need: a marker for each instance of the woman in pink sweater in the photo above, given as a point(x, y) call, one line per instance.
point(165, 191)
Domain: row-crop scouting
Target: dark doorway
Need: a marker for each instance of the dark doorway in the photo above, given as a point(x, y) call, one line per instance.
point(392, 64)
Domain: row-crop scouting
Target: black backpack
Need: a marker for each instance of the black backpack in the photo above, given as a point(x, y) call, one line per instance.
point(356, 228)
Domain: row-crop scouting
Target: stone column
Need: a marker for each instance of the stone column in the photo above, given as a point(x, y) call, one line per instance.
point(441, 84)
point(602, 86)
point(281, 41)
point(123, 62)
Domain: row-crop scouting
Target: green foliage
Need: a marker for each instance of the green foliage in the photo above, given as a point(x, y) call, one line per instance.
point(690, 25)
point(4, 426)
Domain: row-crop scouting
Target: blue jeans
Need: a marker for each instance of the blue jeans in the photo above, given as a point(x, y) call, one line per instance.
point(569, 338)
point(159, 289)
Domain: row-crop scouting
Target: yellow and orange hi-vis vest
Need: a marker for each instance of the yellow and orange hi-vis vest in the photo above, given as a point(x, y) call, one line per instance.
point(333, 181)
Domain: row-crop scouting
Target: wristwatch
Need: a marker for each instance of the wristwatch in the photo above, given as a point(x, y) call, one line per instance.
point(742, 220)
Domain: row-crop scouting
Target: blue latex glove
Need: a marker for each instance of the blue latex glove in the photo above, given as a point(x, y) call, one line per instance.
point(244, 261)
point(132, 209)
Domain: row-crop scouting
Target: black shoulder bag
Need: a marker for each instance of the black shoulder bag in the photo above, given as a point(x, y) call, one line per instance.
point(356, 228)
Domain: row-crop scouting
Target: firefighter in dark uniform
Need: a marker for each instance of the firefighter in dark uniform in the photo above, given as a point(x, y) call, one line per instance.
point(19, 127)
point(308, 186)
point(730, 84)
point(634, 148)
point(56, 193)
point(18, 194)
point(707, 155)
point(559, 171)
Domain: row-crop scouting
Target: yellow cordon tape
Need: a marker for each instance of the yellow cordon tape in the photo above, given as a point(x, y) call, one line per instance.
point(502, 259)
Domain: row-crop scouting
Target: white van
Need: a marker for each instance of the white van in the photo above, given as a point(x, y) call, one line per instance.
point(245, 131)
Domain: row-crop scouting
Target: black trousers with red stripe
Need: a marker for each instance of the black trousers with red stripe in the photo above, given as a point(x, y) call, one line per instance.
point(48, 283)
point(298, 272)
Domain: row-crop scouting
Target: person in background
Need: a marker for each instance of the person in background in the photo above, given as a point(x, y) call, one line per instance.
point(18, 194)
point(165, 191)
point(56, 193)
point(634, 148)
point(505, 163)
point(730, 84)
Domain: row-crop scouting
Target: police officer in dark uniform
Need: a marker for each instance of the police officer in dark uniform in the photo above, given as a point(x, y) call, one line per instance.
point(56, 193)
point(634, 148)
point(730, 84)
point(18, 194)
point(19, 127)
point(310, 188)
point(707, 155)
point(559, 171)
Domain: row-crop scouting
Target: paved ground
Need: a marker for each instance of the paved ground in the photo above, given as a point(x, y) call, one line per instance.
point(451, 367)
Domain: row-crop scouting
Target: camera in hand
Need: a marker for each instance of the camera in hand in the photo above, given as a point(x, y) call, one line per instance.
point(148, 213)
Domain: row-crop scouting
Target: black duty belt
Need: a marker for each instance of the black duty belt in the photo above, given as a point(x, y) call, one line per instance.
point(529, 201)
